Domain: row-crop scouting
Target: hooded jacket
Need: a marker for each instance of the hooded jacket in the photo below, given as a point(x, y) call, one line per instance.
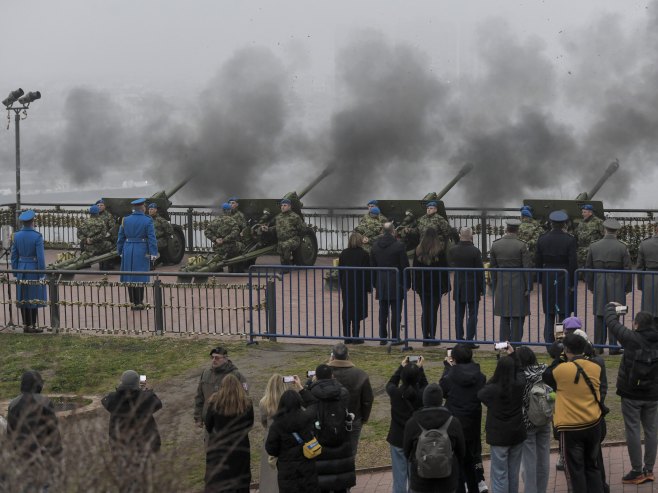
point(632, 341)
point(131, 418)
point(209, 383)
point(460, 384)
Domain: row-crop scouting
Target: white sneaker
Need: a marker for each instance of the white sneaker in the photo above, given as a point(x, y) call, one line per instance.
point(482, 487)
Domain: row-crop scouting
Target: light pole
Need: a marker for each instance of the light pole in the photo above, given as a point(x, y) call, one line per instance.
point(24, 102)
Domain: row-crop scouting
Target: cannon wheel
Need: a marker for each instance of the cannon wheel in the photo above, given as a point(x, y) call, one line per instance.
point(175, 247)
point(307, 252)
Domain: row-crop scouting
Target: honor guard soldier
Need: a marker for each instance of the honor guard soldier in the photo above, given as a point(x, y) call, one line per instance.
point(163, 229)
point(530, 230)
point(647, 260)
point(224, 233)
point(589, 230)
point(289, 228)
point(370, 225)
point(236, 214)
point(93, 234)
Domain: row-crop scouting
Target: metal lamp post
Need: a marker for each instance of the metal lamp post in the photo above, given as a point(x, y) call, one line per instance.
point(24, 101)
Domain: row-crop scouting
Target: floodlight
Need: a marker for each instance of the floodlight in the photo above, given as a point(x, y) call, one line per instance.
point(13, 96)
point(29, 97)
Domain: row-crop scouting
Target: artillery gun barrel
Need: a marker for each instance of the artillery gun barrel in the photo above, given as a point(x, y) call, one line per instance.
point(169, 193)
point(466, 169)
point(612, 167)
point(325, 172)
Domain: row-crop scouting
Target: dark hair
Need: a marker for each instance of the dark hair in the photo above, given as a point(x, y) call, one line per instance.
point(430, 247)
point(340, 351)
point(290, 401)
point(218, 350)
point(526, 356)
point(324, 372)
point(410, 378)
point(504, 376)
point(574, 344)
point(462, 354)
point(644, 320)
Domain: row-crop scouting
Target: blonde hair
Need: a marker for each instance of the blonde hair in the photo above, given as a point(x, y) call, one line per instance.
point(231, 399)
point(356, 240)
point(273, 392)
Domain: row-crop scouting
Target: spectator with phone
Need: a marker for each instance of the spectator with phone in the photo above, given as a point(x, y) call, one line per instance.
point(461, 381)
point(637, 385)
point(405, 390)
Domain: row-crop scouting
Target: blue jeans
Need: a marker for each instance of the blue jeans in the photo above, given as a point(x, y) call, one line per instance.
point(472, 321)
point(536, 459)
point(399, 469)
point(505, 465)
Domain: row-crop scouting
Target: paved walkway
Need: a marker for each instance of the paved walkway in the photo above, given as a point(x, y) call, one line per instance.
point(616, 465)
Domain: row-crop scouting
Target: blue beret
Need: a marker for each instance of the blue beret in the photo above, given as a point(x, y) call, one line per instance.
point(226, 206)
point(375, 211)
point(558, 216)
point(373, 202)
point(27, 216)
point(587, 207)
point(153, 205)
point(100, 201)
point(526, 212)
point(431, 204)
point(94, 209)
point(233, 199)
point(285, 201)
point(138, 201)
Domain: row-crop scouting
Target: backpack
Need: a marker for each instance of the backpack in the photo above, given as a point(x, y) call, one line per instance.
point(434, 452)
point(643, 370)
point(331, 422)
point(540, 404)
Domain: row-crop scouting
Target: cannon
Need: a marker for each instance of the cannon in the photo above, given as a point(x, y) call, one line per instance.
point(119, 208)
point(259, 212)
point(543, 207)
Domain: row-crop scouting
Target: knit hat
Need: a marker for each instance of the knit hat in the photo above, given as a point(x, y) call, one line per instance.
point(129, 380)
point(433, 395)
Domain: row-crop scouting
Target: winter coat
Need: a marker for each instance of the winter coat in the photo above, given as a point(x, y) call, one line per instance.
point(511, 288)
point(460, 384)
point(357, 383)
point(532, 374)
point(295, 472)
point(209, 383)
point(608, 253)
point(389, 252)
point(632, 341)
point(27, 253)
point(504, 425)
point(131, 419)
point(136, 243)
point(354, 284)
point(647, 259)
point(469, 285)
point(428, 283)
point(556, 250)
point(433, 418)
point(335, 465)
point(228, 455)
point(401, 407)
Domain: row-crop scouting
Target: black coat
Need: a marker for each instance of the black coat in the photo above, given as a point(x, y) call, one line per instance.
point(131, 419)
point(504, 426)
point(433, 418)
point(556, 250)
point(469, 285)
point(401, 407)
point(431, 283)
point(388, 252)
point(294, 471)
point(228, 457)
point(460, 384)
point(354, 285)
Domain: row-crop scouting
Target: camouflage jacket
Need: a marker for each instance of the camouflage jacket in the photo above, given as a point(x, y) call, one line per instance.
point(239, 218)
point(530, 231)
point(93, 229)
point(370, 227)
point(163, 229)
point(436, 221)
point(589, 231)
point(108, 219)
point(223, 227)
point(288, 225)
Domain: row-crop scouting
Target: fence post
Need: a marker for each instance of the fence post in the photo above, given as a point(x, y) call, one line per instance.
point(270, 307)
point(190, 230)
point(483, 235)
point(53, 296)
point(159, 309)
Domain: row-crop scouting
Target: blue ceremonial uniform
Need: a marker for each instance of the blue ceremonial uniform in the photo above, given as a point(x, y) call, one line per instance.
point(136, 244)
point(27, 253)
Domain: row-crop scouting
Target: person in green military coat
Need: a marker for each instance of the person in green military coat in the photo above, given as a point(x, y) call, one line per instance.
point(289, 228)
point(224, 234)
point(93, 234)
point(105, 215)
point(237, 214)
point(589, 230)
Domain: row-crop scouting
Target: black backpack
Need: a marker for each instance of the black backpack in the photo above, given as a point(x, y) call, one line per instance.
point(331, 421)
point(642, 369)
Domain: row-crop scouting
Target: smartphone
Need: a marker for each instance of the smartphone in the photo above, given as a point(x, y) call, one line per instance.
point(414, 359)
point(621, 310)
point(310, 373)
point(500, 346)
point(449, 353)
point(288, 379)
point(142, 378)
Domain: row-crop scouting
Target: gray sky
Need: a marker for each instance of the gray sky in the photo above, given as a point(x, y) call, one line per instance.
point(256, 97)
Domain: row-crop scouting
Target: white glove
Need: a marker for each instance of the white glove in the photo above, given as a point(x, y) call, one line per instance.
point(154, 258)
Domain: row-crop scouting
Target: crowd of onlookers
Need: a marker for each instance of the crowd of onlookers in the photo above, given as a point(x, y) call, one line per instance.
point(313, 425)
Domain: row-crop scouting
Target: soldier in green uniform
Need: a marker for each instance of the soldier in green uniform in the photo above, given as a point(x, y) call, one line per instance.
point(236, 214)
point(93, 235)
point(436, 221)
point(289, 228)
point(224, 233)
point(163, 229)
point(530, 231)
point(588, 231)
point(105, 215)
point(370, 226)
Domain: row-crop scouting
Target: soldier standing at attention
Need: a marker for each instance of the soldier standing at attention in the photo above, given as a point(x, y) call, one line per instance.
point(530, 230)
point(370, 226)
point(607, 254)
point(224, 233)
point(107, 218)
point(436, 221)
point(93, 234)
point(647, 259)
point(289, 228)
point(163, 229)
point(589, 230)
point(237, 215)
point(511, 289)
point(137, 246)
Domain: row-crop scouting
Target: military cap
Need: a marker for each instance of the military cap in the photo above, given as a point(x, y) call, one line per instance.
point(373, 202)
point(375, 211)
point(226, 206)
point(431, 204)
point(513, 222)
point(285, 201)
point(233, 199)
point(138, 201)
point(558, 216)
point(26, 216)
point(525, 212)
point(587, 207)
point(153, 205)
point(572, 323)
point(100, 201)
point(611, 223)
point(94, 209)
